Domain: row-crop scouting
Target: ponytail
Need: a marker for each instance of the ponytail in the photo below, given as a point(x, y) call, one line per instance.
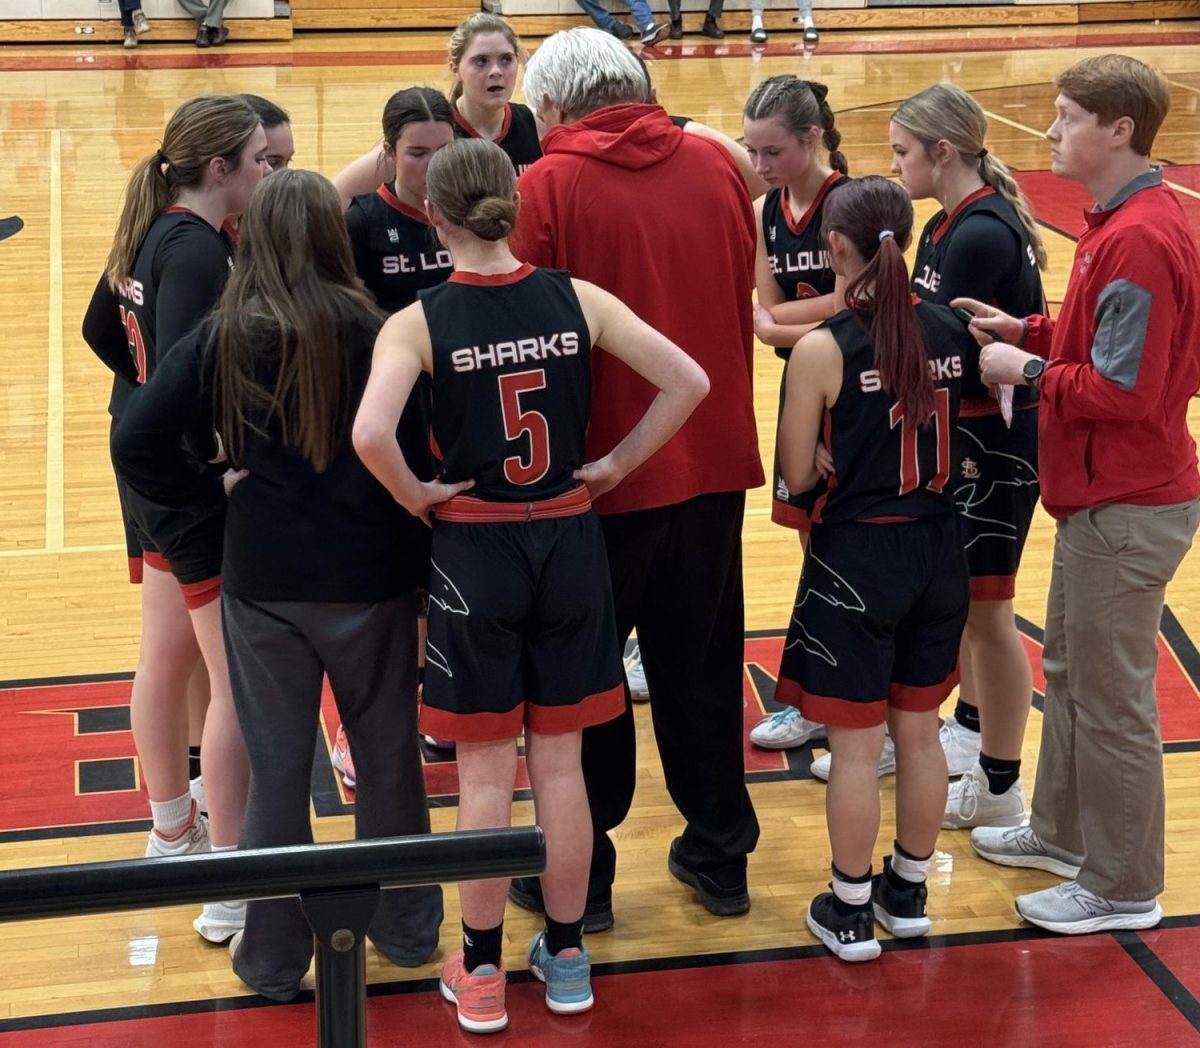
point(876, 216)
point(800, 105)
point(831, 137)
point(147, 193)
point(997, 175)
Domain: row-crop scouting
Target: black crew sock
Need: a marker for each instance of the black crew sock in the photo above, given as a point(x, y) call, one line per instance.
point(1000, 774)
point(967, 715)
point(561, 936)
point(193, 762)
point(481, 946)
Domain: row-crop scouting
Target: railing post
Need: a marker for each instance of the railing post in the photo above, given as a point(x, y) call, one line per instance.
point(339, 920)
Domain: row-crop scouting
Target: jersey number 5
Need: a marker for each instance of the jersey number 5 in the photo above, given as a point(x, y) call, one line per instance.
point(520, 469)
point(910, 463)
point(137, 344)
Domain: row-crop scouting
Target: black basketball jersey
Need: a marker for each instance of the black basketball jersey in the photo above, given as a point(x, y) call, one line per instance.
point(799, 262)
point(395, 250)
point(518, 135)
point(512, 382)
point(681, 121)
point(1013, 283)
point(886, 470)
point(196, 250)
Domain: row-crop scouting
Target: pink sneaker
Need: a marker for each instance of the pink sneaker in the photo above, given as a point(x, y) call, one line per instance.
point(342, 759)
point(478, 995)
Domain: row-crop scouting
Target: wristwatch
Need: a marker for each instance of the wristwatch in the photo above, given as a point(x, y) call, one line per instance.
point(1032, 371)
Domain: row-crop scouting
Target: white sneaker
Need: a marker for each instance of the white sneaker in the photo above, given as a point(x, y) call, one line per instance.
point(887, 761)
point(196, 789)
point(1023, 847)
point(960, 745)
point(193, 840)
point(220, 921)
point(785, 730)
point(971, 803)
point(1071, 909)
point(636, 676)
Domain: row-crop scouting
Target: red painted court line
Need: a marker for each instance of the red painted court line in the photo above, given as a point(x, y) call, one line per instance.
point(1062, 992)
point(831, 45)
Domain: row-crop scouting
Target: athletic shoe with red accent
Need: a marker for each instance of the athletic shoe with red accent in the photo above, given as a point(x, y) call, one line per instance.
point(342, 759)
point(191, 840)
point(478, 995)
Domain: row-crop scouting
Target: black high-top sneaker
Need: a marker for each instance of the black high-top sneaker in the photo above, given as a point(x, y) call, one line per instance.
point(848, 931)
point(899, 904)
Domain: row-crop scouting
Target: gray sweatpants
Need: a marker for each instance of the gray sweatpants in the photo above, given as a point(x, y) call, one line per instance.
point(206, 12)
point(278, 653)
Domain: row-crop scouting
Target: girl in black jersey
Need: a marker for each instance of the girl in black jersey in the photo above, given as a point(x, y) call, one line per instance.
point(785, 123)
point(318, 576)
point(882, 600)
point(170, 259)
point(484, 54)
point(521, 630)
point(982, 244)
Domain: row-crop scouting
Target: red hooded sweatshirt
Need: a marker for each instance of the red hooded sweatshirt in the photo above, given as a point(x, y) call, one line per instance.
point(661, 219)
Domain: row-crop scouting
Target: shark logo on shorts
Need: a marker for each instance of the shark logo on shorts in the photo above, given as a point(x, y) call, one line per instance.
point(446, 595)
point(822, 582)
point(985, 472)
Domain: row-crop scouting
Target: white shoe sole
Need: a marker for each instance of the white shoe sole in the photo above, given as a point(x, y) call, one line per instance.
point(562, 1007)
point(1112, 923)
point(217, 932)
point(902, 927)
point(472, 1025)
point(1030, 862)
point(954, 821)
point(349, 780)
point(853, 953)
point(768, 743)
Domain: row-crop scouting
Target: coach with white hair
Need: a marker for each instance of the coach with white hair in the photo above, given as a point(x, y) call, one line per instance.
point(623, 198)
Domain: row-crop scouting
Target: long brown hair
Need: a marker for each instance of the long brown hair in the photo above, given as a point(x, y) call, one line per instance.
point(202, 128)
point(876, 216)
point(473, 183)
point(480, 22)
point(800, 105)
point(294, 285)
point(946, 111)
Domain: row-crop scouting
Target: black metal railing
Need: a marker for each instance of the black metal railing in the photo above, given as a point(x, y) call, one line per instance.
point(338, 885)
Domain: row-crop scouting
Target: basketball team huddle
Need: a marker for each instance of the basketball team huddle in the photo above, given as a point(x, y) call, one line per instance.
point(450, 429)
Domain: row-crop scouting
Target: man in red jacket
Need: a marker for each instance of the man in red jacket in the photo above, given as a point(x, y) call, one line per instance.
point(1118, 468)
point(622, 197)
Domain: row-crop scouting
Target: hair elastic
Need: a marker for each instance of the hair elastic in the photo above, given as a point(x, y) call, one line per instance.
point(884, 234)
point(981, 154)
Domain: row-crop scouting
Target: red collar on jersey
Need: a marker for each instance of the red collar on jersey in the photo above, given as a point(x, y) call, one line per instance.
point(813, 208)
point(396, 204)
point(939, 230)
point(462, 276)
point(470, 130)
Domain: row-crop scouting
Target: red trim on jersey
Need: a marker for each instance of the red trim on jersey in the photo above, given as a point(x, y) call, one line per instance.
point(396, 204)
point(491, 280)
point(824, 709)
point(177, 209)
point(135, 570)
point(789, 516)
point(470, 510)
point(922, 698)
point(993, 587)
point(470, 130)
point(813, 208)
point(230, 229)
point(939, 230)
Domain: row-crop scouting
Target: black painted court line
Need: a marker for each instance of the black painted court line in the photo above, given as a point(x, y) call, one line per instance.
point(1162, 976)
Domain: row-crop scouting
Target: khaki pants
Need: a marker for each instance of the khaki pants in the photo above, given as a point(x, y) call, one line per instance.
point(1099, 789)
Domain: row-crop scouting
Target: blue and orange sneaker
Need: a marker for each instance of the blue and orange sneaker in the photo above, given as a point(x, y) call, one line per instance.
point(567, 975)
point(478, 995)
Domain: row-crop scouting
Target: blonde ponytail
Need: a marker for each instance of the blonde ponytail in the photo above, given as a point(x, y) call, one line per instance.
point(997, 175)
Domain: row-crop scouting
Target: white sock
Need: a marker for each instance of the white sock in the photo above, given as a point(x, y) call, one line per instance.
point(756, 20)
point(171, 818)
point(852, 893)
point(216, 849)
point(912, 870)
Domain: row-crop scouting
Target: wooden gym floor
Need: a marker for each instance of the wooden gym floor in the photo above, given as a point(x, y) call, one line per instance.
point(73, 122)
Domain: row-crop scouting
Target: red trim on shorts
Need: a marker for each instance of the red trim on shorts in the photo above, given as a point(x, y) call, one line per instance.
point(491, 279)
point(471, 727)
point(197, 594)
point(561, 720)
point(154, 559)
point(921, 699)
point(799, 227)
point(944, 224)
point(789, 516)
point(886, 520)
point(396, 204)
point(135, 570)
point(505, 127)
point(841, 713)
point(469, 510)
point(993, 587)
